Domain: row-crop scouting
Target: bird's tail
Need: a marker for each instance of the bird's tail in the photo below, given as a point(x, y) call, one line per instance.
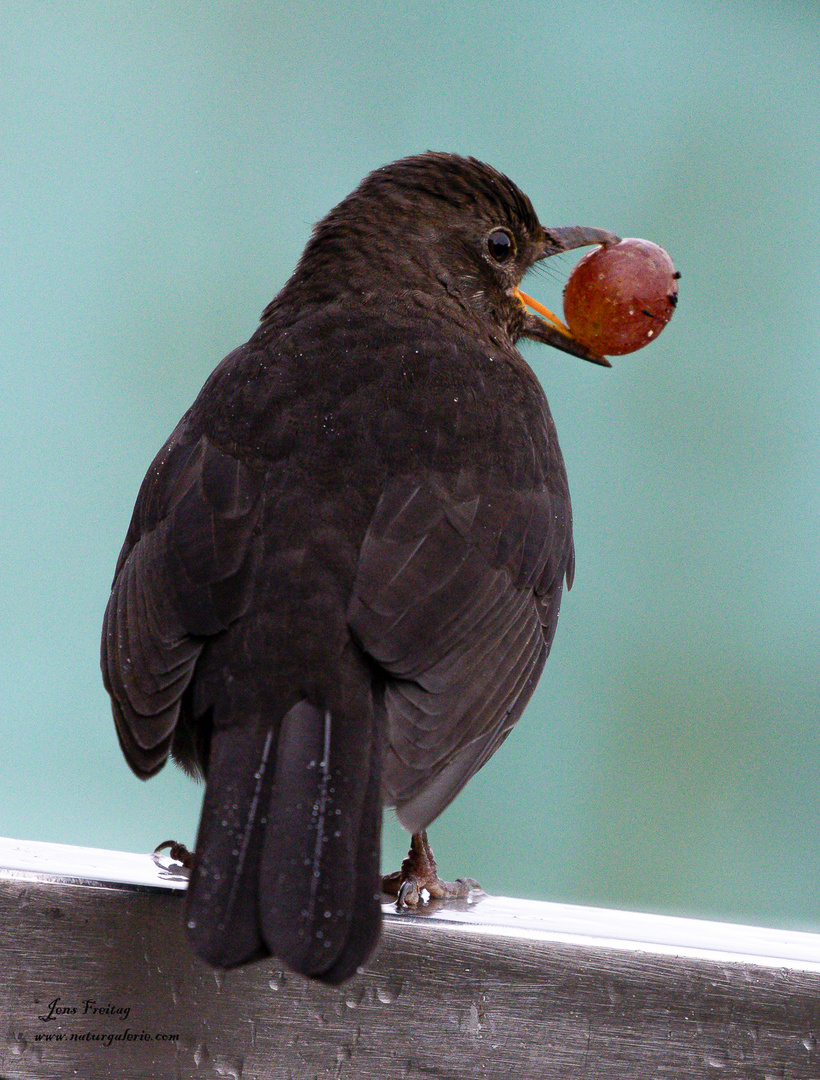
point(287, 856)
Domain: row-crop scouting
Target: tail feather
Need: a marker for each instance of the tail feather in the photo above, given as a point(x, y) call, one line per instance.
point(319, 881)
point(365, 927)
point(287, 858)
point(221, 914)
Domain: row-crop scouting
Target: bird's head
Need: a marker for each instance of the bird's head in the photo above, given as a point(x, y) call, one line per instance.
point(448, 232)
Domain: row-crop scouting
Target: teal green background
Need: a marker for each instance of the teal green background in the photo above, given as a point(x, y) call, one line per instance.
point(161, 166)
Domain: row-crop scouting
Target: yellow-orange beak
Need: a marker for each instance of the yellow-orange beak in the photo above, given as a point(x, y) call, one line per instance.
point(544, 312)
point(547, 327)
point(544, 325)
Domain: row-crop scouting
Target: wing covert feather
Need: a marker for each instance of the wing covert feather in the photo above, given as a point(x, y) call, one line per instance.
point(456, 597)
point(185, 573)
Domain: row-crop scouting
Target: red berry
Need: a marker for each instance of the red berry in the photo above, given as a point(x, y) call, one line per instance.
point(620, 296)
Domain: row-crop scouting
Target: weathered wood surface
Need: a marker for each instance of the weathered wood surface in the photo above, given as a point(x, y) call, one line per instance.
point(502, 989)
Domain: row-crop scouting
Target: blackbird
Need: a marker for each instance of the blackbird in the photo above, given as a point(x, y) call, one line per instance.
point(342, 575)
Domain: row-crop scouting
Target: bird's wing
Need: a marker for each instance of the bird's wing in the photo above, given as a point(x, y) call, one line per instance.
point(456, 598)
point(184, 574)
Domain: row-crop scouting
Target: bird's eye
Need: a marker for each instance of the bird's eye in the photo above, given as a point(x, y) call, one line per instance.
point(500, 245)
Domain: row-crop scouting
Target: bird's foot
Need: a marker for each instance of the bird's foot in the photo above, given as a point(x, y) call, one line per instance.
point(176, 853)
point(419, 876)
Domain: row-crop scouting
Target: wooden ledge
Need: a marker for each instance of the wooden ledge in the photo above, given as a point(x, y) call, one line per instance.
point(96, 980)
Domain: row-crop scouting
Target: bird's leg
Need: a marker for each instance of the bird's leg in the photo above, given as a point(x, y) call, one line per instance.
point(176, 852)
point(419, 874)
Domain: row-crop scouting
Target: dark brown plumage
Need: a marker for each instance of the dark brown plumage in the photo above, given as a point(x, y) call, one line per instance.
point(344, 568)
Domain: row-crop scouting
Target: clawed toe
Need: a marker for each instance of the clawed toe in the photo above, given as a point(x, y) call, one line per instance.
point(176, 852)
point(418, 879)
